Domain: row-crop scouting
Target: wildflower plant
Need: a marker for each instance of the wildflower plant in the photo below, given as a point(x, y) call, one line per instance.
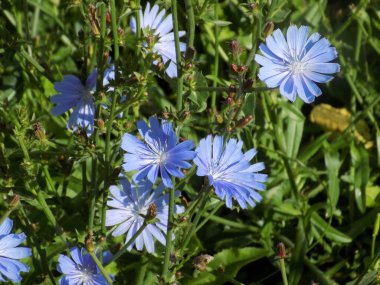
point(192, 174)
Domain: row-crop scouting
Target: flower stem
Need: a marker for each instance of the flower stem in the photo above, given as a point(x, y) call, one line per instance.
point(125, 247)
point(138, 24)
point(200, 212)
point(283, 272)
point(110, 119)
point(101, 268)
point(169, 235)
point(190, 22)
point(178, 56)
point(216, 57)
point(142, 270)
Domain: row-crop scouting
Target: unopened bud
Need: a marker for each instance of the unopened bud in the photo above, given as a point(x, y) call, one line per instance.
point(14, 202)
point(230, 101)
point(185, 115)
point(120, 32)
point(166, 115)
point(189, 54)
point(243, 68)
point(94, 23)
point(232, 91)
point(39, 131)
point(247, 84)
point(200, 262)
point(281, 250)
point(89, 242)
point(219, 118)
point(244, 121)
point(253, 6)
point(100, 123)
point(235, 48)
point(268, 29)
point(108, 17)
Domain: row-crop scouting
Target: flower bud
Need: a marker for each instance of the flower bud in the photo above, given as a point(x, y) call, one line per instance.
point(234, 68)
point(268, 29)
point(243, 68)
point(14, 202)
point(89, 242)
point(232, 91)
point(39, 131)
point(108, 17)
point(200, 262)
point(281, 250)
point(190, 54)
point(247, 84)
point(100, 123)
point(244, 121)
point(235, 48)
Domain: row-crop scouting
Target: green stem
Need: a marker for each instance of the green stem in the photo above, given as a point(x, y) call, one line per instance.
point(178, 56)
point(36, 18)
point(283, 272)
point(216, 57)
point(138, 24)
point(101, 268)
point(362, 4)
point(190, 23)
point(256, 31)
point(49, 181)
point(169, 235)
point(142, 269)
point(94, 192)
point(194, 224)
point(233, 224)
point(125, 247)
point(225, 89)
point(209, 216)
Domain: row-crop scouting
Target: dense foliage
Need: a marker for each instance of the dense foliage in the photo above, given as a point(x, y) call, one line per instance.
point(95, 113)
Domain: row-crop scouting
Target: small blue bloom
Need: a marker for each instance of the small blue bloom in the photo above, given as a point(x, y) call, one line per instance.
point(10, 268)
point(160, 153)
point(131, 205)
point(229, 170)
point(108, 76)
point(154, 24)
point(81, 269)
point(72, 94)
point(296, 63)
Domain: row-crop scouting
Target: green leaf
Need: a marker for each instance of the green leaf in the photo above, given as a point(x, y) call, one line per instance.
point(360, 164)
point(199, 98)
point(328, 230)
point(333, 164)
point(225, 265)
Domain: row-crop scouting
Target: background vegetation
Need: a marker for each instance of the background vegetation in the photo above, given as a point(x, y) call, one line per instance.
point(322, 196)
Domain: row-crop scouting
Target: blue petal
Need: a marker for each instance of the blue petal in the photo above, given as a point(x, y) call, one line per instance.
point(328, 68)
point(70, 85)
point(318, 77)
point(91, 80)
point(6, 226)
point(288, 89)
point(302, 90)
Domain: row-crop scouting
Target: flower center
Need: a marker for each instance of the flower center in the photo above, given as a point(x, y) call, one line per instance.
point(297, 67)
point(87, 273)
point(162, 157)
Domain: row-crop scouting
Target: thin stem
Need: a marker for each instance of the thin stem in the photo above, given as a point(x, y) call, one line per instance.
point(193, 227)
point(110, 119)
point(190, 23)
point(256, 31)
point(49, 181)
point(125, 247)
point(94, 192)
point(142, 270)
point(209, 216)
point(36, 18)
point(178, 56)
point(216, 57)
point(138, 24)
point(225, 89)
point(283, 272)
point(101, 268)
point(169, 235)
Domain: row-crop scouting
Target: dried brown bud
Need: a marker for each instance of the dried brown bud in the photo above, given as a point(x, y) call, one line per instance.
point(100, 123)
point(281, 250)
point(108, 17)
point(94, 22)
point(151, 213)
point(184, 201)
point(230, 101)
point(243, 68)
point(244, 121)
point(248, 84)
point(234, 67)
point(268, 29)
point(200, 262)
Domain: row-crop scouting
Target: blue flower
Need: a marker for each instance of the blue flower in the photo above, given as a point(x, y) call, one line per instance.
point(81, 269)
point(296, 63)
point(108, 76)
point(10, 268)
point(72, 94)
point(162, 153)
point(154, 24)
point(132, 205)
point(229, 170)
